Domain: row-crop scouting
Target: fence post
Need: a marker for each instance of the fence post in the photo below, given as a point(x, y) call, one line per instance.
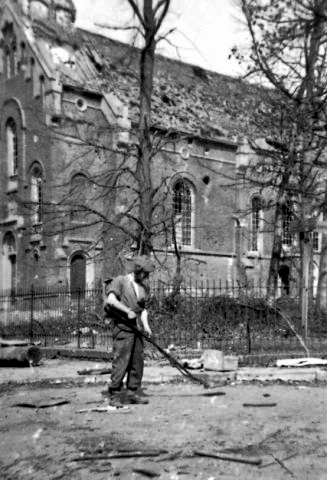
point(78, 318)
point(32, 312)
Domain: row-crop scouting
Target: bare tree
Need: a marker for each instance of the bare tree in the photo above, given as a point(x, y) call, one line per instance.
point(288, 55)
point(122, 198)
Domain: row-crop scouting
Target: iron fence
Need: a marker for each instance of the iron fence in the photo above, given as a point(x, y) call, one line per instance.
point(218, 315)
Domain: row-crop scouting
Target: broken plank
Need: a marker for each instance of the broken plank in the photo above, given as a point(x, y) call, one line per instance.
point(283, 466)
point(41, 405)
point(95, 371)
point(107, 409)
point(265, 465)
point(301, 362)
point(148, 470)
point(127, 454)
point(230, 458)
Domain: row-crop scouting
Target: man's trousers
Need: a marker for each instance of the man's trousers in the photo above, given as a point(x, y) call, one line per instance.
point(128, 358)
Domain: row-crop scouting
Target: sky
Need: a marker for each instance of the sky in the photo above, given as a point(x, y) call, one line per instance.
point(205, 30)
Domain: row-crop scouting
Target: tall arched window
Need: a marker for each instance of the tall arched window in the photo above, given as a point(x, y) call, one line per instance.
point(78, 274)
point(22, 59)
point(77, 197)
point(256, 223)
point(37, 194)
point(9, 262)
point(8, 70)
point(12, 147)
point(42, 88)
point(287, 218)
point(9, 50)
point(14, 60)
point(183, 202)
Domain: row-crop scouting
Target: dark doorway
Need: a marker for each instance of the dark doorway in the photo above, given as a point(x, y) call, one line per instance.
point(78, 274)
point(284, 275)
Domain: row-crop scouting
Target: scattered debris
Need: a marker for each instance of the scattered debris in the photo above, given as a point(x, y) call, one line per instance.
point(37, 434)
point(107, 409)
point(270, 436)
point(213, 394)
point(213, 360)
point(301, 362)
point(280, 462)
point(217, 361)
point(230, 458)
point(193, 364)
point(20, 356)
point(95, 371)
point(272, 404)
point(120, 454)
point(265, 465)
point(170, 456)
point(148, 470)
point(41, 405)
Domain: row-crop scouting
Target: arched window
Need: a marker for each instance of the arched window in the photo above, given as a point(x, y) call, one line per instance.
point(77, 197)
point(37, 194)
point(256, 224)
point(9, 50)
point(287, 218)
point(183, 202)
point(8, 70)
point(42, 88)
point(32, 68)
point(78, 274)
point(9, 262)
point(12, 147)
point(22, 59)
point(14, 60)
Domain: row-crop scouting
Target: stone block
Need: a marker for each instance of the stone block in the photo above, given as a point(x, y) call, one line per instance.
point(213, 360)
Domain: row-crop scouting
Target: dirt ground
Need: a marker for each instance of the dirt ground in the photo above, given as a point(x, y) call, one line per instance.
point(57, 442)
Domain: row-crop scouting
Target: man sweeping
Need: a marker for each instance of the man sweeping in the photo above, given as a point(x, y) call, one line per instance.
point(126, 305)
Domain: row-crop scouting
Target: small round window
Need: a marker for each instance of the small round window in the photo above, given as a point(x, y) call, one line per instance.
point(81, 104)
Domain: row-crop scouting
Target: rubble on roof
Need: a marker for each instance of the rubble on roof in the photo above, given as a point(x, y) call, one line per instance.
point(185, 97)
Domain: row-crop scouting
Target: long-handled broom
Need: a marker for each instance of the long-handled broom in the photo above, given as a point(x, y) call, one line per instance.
point(203, 379)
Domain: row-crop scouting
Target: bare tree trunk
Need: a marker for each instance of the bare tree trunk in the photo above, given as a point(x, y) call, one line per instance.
point(276, 252)
point(321, 303)
point(143, 170)
point(150, 18)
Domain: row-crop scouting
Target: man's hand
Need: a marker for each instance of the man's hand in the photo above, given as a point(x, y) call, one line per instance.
point(147, 330)
point(145, 324)
point(131, 315)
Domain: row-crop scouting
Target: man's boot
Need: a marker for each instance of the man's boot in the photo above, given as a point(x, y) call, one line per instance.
point(134, 398)
point(115, 398)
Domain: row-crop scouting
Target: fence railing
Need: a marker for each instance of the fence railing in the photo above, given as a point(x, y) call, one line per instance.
point(195, 315)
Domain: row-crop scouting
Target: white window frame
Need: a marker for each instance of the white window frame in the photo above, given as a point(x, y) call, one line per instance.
point(256, 236)
point(37, 194)
point(12, 147)
point(288, 239)
point(184, 221)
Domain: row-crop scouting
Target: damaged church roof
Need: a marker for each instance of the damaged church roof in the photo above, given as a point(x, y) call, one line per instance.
point(185, 98)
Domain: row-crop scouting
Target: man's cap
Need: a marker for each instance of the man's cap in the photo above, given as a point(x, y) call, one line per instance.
point(143, 263)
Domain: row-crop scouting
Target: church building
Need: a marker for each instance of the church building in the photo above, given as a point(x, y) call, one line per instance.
point(68, 105)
